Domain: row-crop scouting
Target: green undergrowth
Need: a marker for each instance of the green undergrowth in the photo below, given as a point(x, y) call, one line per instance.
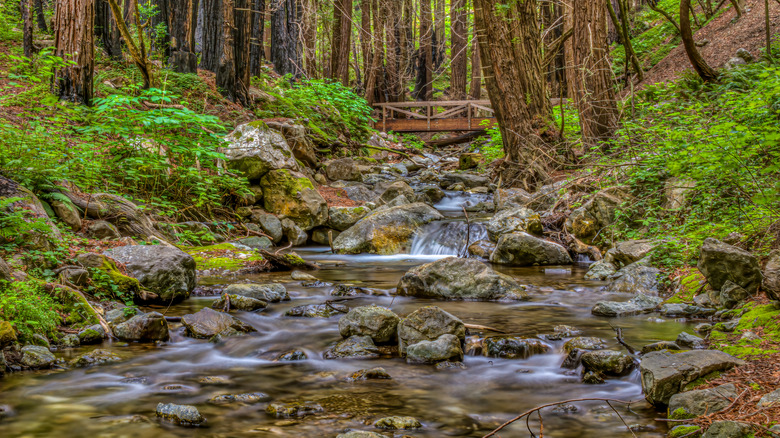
point(29, 308)
point(762, 320)
point(224, 256)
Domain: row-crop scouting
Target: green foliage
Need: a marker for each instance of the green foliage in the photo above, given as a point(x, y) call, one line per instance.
point(29, 308)
point(17, 224)
point(10, 21)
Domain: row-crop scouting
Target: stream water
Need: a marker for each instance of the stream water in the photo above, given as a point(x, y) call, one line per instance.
point(119, 400)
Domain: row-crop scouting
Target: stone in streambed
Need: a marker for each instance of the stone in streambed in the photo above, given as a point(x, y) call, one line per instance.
point(515, 220)
point(428, 324)
point(354, 347)
point(288, 410)
point(658, 346)
point(167, 271)
point(513, 347)
point(248, 398)
point(696, 403)
point(636, 278)
point(377, 373)
point(37, 357)
point(325, 310)
point(612, 363)
point(360, 434)
point(293, 196)
point(584, 343)
point(182, 415)
point(444, 348)
point(398, 423)
point(341, 218)
point(145, 327)
point(238, 302)
point(291, 356)
point(93, 334)
point(639, 304)
point(208, 323)
point(377, 322)
point(95, 357)
point(523, 249)
point(271, 292)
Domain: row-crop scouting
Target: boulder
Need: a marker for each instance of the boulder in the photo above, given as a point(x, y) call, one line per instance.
point(511, 198)
point(208, 323)
point(124, 216)
point(387, 231)
point(635, 306)
point(182, 415)
point(455, 278)
point(269, 292)
point(36, 357)
point(7, 334)
point(255, 242)
point(513, 347)
point(295, 409)
point(299, 141)
point(515, 220)
point(445, 347)
point(125, 284)
point(584, 343)
point(343, 169)
point(772, 276)
point(379, 323)
point(429, 194)
point(360, 193)
point(720, 262)
point(294, 234)
point(341, 218)
point(67, 213)
point(396, 189)
point(254, 149)
point(95, 357)
point(630, 251)
point(93, 334)
point(238, 302)
point(377, 373)
point(469, 180)
point(585, 222)
point(482, 249)
point(6, 273)
point(523, 249)
point(292, 195)
point(608, 362)
point(770, 399)
point(636, 278)
point(696, 403)
point(470, 160)
point(658, 346)
point(323, 236)
point(689, 341)
point(165, 270)
point(325, 310)
point(354, 347)
point(146, 327)
point(601, 270)
point(398, 423)
point(665, 373)
point(428, 324)
point(270, 224)
point(35, 210)
point(728, 429)
point(731, 294)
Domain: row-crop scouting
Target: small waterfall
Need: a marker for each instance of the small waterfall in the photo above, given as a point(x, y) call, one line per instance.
point(455, 201)
point(446, 238)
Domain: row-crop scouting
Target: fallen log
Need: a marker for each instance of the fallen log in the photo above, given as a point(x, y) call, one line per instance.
point(286, 262)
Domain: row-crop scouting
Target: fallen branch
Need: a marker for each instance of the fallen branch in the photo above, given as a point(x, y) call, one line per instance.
point(380, 148)
point(483, 327)
point(619, 338)
point(160, 105)
point(279, 262)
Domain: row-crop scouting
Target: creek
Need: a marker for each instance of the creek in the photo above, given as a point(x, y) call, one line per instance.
point(119, 400)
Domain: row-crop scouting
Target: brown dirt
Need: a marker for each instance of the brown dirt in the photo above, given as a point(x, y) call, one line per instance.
point(725, 35)
point(337, 197)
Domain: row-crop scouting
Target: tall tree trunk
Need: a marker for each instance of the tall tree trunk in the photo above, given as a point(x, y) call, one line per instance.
point(459, 34)
point(310, 37)
point(424, 85)
point(74, 40)
point(211, 47)
point(285, 38)
point(475, 88)
point(392, 10)
point(27, 38)
point(768, 28)
point(342, 32)
point(137, 48)
point(365, 34)
point(440, 46)
point(372, 81)
point(257, 52)
point(510, 49)
point(41, 18)
point(182, 21)
point(704, 71)
point(106, 31)
point(233, 69)
point(408, 59)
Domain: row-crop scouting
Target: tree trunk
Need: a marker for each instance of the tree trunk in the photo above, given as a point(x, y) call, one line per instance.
point(768, 26)
point(257, 52)
point(440, 45)
point(704, 71)
point(459, 34)
point(310, 37)
point(392, 10)
point(182, 21)
point(285, 49)
point(475, 88)
point(211, 47)
point(424, 85)
point(137, 49)
point(27, 38)
point(372, 80)
point(625, 37)
point(365, 35)
point(592, 78)
point(74, 40)
point(233, 69)
point(510, 49)
point(106, 31)
point(342, 31)
point(40, 16)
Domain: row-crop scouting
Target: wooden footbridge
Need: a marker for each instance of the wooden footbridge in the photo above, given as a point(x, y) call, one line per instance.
point(456, 115)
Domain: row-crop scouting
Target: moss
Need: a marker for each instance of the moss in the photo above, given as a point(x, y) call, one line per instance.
point(689, 285)
point(294, 259)
point(699, 382)
point(223, 256)
point(75, 305)
point(390, 239)
point(681, 414)
point(755, 317)
point(683, 430)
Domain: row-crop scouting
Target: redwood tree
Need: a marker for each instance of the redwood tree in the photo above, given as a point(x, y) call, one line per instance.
point(459, 36)
point(233, 69)
point(423, 89)
point(285, 37)
point(342, 32)
point(182, 20)
point(74, 40)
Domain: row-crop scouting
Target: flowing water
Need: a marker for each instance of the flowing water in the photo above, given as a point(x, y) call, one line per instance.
point(119, 400)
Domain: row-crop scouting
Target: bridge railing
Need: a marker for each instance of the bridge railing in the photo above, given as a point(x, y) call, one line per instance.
point(458, 115)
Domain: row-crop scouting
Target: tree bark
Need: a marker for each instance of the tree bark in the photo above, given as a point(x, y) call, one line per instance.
point(285, 33)
point(106, 31)
point(475, 88)
point(392, 10)
point(27, 38)
point(372, 80)
point(704, 71)
point(365, 34)
point(459, 35)
point(211, 47)
point(592, 77)
point(510, 48)
point(74, 40)
point(768, 27)
point(424, 85)
point(440, 42)
point(41, 18)
point(257, 52)
point(310, 37)
point(342, 32)
point(233, 69)
point(625, 37)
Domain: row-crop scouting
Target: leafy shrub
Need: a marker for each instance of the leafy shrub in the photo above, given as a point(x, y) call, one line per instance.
point(28, 307)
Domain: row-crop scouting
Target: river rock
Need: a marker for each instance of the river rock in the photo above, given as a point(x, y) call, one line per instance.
point(165, 270)
point(248, 398)
point(292, 195)
point(182, 415)
point(720, 262)
point(70, 340)
point(354, 347)
point(690, 342)
point(563, 331)
point(95, 357)
point(666, 373)
point(611, 363)
point(387, 231)
point(360, 193)
point(482, 249)
point(67, 213)
point(510, 198)
point(630, 251)
point(302, 276)
point(636, 278)
point(320, 235)
point(146, 327)
point(343, 169)
point(398, 423)
point(269, 292)
point(680, 310)
point(513, 347)
point(601, 270)
point(516, 220)
point(635, 306)
point(377, 373)
point(658, 346)
point(470, 160)
point(584, 343)
point(93, 334)
point(428, 324)
point(696, 403)
point(772, 276)
point(585, 222)
point(429, 194)
point(270, 224)
point(295, 409)
point(396, 189)
point(445, 347)
point(294, 234)
point(360, 434)
point(523, 249)
point(377, 322)
point(256, 242)
point(37, 357)
point(728, 429)
point(341, 218)
point(324, 310)
point(469, 180)
point(254, 149)
point(455, 278)
point(208, 323)
point(238, 302)
point(7, 334)
point(291, 356)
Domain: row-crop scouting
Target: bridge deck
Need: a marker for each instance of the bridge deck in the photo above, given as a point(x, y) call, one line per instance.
point(459, 115)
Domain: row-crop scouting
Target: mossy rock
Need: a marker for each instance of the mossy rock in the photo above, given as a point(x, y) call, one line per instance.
point(690, 284)
point(684, 430)
point(224, 256)
point(292, 195)
point(80, 312)
point(766, 317)
point(7, 334)
point(126, 286)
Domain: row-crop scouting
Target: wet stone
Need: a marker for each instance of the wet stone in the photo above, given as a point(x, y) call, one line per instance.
point(377, 373)
point(360, 434)
point(182, 415)
point(325, 310)
point(445, 347)
point(214, 380)
point(398, 423)
point(611, 363)
point(289, 410)
point(291, 356)
point(248, 398)
point(95, 357)
point(563, 331)
point(565, 408)
point(689, 341)
point(238, 302)
point(34, 356)
point(270, 292)
point(584, 343)
point(208, 323)
point(513, 347)
point(93, 334)
point(449, 366)
point(354, 347)
point(658, 346)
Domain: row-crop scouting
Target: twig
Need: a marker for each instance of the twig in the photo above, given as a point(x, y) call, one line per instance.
point(483, 327)
point(619, 338)
point(621, 419)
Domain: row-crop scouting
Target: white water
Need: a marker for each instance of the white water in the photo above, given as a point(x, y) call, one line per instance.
point(456, 201)
point(447, 238)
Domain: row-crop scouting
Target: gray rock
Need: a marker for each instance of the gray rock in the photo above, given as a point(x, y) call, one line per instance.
point(665, 374)
point(291, 356)
point(585, 222)
point(770, 399)
point(387, 231)
point(270, 224)
point(689, 341)
point(379, 323)
point(182, 415)
point(396, 189)
point(469, 180)
point(635, 306)
point(728, 429)
point(696, 403)
point(238, 302)
point(377, 373)
point(744, 54)
point(117, 316)
point(167, 271)
point(733, 63)
point(270, 292)
point(584, 343)
point(208, 323)
point(482, 249)
point(95, 357)
point(254, 149)
point(630, 251)
point(6, 273)
point(292, 195)
point(360, 434)
point(145, 327)
point(515, 220)
point(680, 310)
point(320, 235)
point(772, 276)
point(732, 294)
point(563, 331)
point(720, 262)
point(70, 341)
point(511, 198)
point(636, 278)
point(256, 242)
point(429, 194)
point(455, 278)
point(354, 347)
point(513, 347)
point(67, 213)
point(102, 230)
point(658, 346)
point(341, 218)
point(295, 409)
point(302, 276)
point(360, 193)
point(325, 310)
point(294, 234)
point(445, 347)
point(601, 270)
point(523, 249)
point(248, 398)
point(93, 334)
point(608, 362)
point(34, 356)
point(343, 169)
point(428, 324)
point(397, 423)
